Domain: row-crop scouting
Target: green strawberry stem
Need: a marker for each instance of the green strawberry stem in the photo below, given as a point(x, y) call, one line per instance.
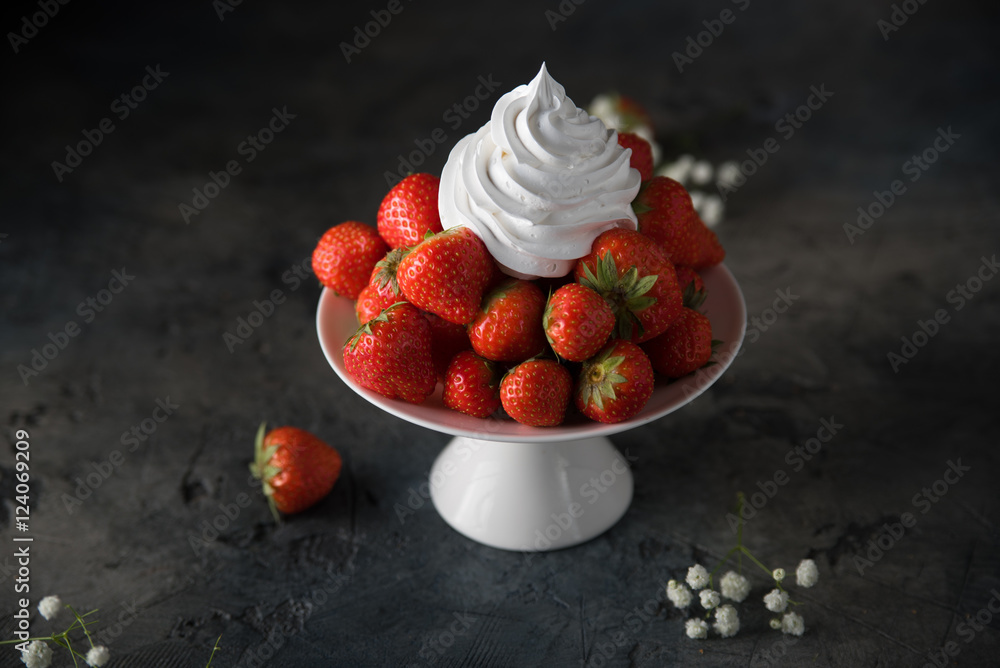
point(262, 470)
point(625, 295)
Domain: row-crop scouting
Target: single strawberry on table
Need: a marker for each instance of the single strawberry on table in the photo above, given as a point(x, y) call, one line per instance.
point(667, 215)
point(446, 274)
point(577, 322)
point(616, 383)
point(296, 468)
point(472, 385)
point(635, 277)
point(391, 354)
point(345, 256)
point(642, 153)
point(537, 392)
point(508, 326)
point(410, 210)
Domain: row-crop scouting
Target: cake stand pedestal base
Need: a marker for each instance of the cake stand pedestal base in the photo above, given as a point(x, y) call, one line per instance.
point(531, 497)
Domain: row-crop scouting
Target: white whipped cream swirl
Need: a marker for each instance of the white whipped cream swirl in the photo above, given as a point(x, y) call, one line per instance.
point(539, 182)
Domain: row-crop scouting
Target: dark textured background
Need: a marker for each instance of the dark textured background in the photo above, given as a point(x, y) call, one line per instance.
point(346, 584)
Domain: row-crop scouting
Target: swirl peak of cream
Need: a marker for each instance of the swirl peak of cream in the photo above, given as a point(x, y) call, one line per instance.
point(539, 182)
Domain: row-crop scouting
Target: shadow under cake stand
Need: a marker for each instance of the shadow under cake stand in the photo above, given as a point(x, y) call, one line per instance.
point(516, 487)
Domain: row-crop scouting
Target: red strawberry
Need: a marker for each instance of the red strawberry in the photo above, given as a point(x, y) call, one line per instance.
point(642, 153)
point(667, 216)
point(616, 383)
point(382, 290)
point(446, 274)
point(635, 277)
point(345, 256)
point(410, 210)
point(391, 354)
point(537, 392)
point(577, 322)
point(685, 347)
point(447, 340)
point(296, 468)
point(472, 385)
point(685, 277)
point(508, 326)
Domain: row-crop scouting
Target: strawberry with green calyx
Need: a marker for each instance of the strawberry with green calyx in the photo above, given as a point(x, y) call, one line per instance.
point(391, 354)
point(637, 280)
point(345, 256)
point(689, 279)
point(508, 326)
point(446, 274)
point(666, 215)
point(382, 290)
point(410, 210)
point(472, 385)
point(642, 153)
point(615, 384)
point(685, 347)
point(577, 322)
point(295, 467)
point(537, 392)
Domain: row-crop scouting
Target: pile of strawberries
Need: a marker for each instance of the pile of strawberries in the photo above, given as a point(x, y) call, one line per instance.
point(435, 307)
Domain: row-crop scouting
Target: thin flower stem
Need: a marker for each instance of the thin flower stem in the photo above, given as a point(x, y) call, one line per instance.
point(214, 650)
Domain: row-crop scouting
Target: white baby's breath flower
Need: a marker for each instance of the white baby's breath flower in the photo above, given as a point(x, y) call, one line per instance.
point(701, 172)
point(697, 577)
point(711, 210)
point(776, 600)
point(775, 623)
point(49, 607)
point(792, 624)
point(727, 621)
point(727, 174)
point(709, 599)
point(806, 575)
point(98, 656)
point(678, 594)
point(37, 655)
point(734, 586)
point(778, 574)
point(696, 628)
point(679, 169)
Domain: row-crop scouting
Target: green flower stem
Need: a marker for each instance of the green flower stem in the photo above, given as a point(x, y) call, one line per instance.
point(214, 650)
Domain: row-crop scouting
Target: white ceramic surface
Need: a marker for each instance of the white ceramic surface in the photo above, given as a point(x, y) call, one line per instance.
point(511, 486)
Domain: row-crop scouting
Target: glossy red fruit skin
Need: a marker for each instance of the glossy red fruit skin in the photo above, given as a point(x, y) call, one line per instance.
point(508, 326)
point(667, 215)
point(630, 393)
point(642, 153)
point(410, 210)
point(630, 249)
point(369, 304)
point(686, 276)
point(447, 340)
point(537, 392)
point(577, 322)
point(391, 355)
point(446, 274)
point(308, 468)
point(685, 347)
point(471, 385)
point(345, 256)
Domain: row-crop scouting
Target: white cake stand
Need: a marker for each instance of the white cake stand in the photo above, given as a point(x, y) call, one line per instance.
point(515, 487)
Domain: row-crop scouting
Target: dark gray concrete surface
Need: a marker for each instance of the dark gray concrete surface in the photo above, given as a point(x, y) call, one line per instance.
point(347, 583)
